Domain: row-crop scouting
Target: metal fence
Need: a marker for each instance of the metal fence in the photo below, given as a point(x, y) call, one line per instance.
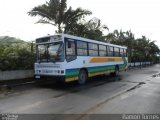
point(139, 64)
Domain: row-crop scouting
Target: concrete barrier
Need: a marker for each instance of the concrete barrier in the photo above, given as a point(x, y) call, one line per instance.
point(16, 74)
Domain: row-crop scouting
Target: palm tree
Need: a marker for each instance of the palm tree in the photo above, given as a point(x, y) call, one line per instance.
point(55, 12)
point(92, 29)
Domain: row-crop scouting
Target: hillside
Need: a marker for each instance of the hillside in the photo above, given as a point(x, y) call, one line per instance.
point(7, 41)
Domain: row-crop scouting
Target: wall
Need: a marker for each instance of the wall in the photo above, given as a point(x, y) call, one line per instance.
point(17, 74)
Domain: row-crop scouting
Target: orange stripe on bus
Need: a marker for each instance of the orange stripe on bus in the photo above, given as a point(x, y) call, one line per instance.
point(101, 60)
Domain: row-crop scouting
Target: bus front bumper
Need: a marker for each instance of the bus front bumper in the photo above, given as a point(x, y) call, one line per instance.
point(50, 78)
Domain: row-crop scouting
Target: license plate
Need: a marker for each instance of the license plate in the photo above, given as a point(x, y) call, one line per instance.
point(38, 77)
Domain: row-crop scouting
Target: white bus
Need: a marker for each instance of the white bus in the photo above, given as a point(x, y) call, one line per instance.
point(69, 58)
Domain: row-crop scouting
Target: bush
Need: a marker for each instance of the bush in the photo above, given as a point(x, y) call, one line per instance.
point(23, 60)
point(16, 57)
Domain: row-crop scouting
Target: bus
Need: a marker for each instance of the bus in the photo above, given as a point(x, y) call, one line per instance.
point(67, 58)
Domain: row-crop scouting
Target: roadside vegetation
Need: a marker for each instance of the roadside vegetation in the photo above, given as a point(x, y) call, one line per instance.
point(17, 54)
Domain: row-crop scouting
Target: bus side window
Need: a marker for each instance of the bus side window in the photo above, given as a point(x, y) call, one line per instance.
point(111, 51)
point(70, 50)
point(125, 53)
point(116, 51)
point(121, 52)
point(93, 49)
point(102, 50)
point(81, 48)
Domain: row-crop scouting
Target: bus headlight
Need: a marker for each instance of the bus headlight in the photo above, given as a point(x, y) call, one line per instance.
point(37, 71)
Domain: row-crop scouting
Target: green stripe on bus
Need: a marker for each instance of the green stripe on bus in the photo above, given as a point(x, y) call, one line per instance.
point(101, 70)
point(71, 76)
point(72, 73)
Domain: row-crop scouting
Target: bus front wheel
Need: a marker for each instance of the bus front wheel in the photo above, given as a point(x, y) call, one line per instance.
point(82, 78)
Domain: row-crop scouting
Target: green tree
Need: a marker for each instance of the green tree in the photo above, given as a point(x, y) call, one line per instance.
point(110, 37)
point(55, 12)
point(141, 49)
point(124, 39)
point(92, 29)
point(154, 52)
point(15, 54)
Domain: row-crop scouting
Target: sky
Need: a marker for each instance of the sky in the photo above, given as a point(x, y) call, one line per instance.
point(142, 17)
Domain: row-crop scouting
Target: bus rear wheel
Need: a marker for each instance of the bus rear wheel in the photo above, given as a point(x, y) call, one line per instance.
point(116, 71)
point(82, 78)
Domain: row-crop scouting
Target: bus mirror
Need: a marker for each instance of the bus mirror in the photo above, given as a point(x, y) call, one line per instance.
point(69, 44)
point(53, 60)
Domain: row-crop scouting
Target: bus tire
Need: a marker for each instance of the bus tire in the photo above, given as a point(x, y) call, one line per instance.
point(82, 78)
point(116, 72)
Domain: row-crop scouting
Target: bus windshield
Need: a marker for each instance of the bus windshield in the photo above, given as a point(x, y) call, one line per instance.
point(50, 52)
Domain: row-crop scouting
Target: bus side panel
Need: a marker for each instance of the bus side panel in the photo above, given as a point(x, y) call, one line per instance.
point(72, 74)
point(105, 65)
point(124, 66)
point(94, 71)
point(94, 65)
point(72, 69)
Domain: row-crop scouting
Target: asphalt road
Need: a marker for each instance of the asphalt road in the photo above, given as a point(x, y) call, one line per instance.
point(134, 91)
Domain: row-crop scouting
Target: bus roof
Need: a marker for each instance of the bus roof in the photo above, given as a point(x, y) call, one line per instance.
point(87, 40)
point(92, 41)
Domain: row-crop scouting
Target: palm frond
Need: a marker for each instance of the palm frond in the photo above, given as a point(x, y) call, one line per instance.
point(41, 11)
point(45, 22)
point(55, 12)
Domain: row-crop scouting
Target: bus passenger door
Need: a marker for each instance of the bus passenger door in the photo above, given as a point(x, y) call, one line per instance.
point(70, 48)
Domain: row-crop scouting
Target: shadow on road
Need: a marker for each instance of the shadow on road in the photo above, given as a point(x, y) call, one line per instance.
point(92, 82)
point(66, 87)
